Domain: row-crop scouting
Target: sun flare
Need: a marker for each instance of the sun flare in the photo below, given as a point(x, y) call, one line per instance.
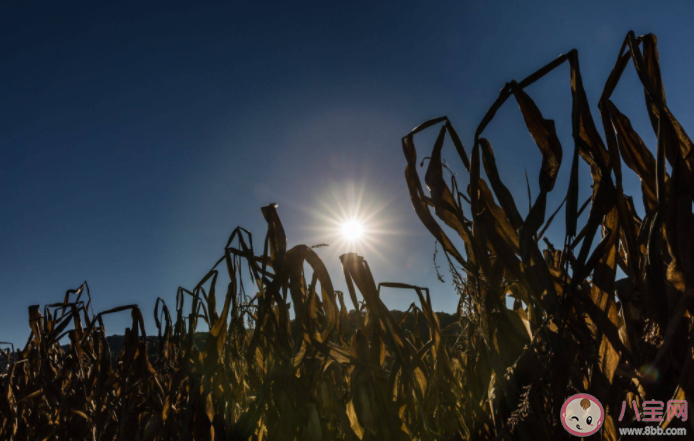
point(348, 219)
point(352, 230)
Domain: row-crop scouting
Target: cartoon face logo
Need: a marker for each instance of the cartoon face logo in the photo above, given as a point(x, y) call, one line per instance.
point(582, 415)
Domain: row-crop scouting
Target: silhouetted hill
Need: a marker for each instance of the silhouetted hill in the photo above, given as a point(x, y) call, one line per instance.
point(115, 342)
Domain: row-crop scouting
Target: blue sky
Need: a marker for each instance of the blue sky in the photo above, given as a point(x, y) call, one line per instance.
point(135, 136)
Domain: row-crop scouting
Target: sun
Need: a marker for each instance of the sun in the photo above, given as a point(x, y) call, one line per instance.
point(352, 230)
point(348, 219)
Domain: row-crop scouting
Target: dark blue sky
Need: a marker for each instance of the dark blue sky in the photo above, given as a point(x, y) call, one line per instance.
point(135, 137)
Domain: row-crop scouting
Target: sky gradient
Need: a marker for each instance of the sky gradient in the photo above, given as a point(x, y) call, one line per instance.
point(135, 137)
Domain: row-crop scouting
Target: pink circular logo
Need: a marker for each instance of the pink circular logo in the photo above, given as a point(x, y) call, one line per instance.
point(582, 415)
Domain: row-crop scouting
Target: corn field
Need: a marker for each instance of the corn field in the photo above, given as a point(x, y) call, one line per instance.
point(500, 373)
